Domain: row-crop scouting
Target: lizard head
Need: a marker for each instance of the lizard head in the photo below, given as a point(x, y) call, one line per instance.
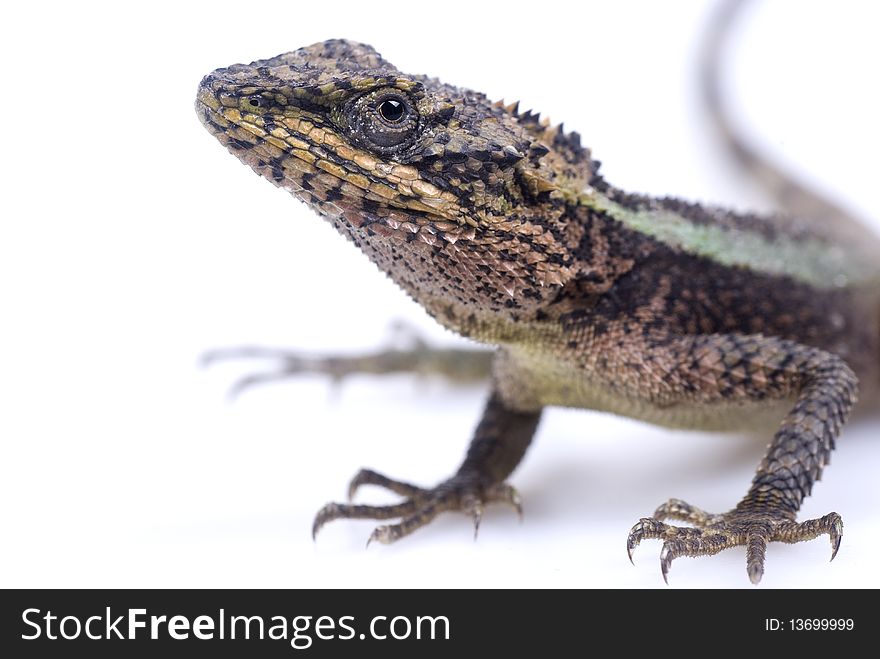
point(414, 171)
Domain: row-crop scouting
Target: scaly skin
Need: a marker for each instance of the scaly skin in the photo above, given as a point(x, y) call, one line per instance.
point(501, 227)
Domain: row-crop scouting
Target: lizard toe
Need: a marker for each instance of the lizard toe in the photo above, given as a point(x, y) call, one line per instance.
point(461, 493)
point(748, 525)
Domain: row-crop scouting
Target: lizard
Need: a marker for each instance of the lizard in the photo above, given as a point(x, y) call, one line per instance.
point(502, 227)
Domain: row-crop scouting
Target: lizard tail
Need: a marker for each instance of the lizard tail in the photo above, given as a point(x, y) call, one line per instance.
point(792, 196)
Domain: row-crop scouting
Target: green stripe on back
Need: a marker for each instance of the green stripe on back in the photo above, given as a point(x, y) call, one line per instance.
point(808, 260)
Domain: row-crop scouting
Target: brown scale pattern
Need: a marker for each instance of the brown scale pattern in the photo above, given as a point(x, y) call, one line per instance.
point(491, 218)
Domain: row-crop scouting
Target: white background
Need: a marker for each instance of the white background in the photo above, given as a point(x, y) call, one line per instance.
point(131, 242)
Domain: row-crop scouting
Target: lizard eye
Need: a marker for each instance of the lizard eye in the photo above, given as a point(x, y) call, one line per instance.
point(384, 120)
point(391, 110)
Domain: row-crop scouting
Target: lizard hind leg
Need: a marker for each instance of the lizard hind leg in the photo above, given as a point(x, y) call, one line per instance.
point(499, 443)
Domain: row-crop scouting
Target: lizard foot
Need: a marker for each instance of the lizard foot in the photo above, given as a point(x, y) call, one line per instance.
point(746, 525)
point(409, 354)
point(462, 492)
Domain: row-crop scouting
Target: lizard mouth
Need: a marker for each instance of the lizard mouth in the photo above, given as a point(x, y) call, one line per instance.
point(382, 203)
point(331, 195)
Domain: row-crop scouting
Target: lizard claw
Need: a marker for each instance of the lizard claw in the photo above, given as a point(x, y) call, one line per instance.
point(459, 493)
point(646, 527)
point(740, 527)
point(756, 550)
point(474, 507)
point(667, 555)
point(835, 532)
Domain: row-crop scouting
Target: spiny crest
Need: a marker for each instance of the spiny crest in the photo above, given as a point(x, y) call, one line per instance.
point(572, 166)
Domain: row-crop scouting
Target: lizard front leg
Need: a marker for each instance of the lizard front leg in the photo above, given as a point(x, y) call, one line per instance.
point(409, 353)
point(735, 368)
point(498, 445)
